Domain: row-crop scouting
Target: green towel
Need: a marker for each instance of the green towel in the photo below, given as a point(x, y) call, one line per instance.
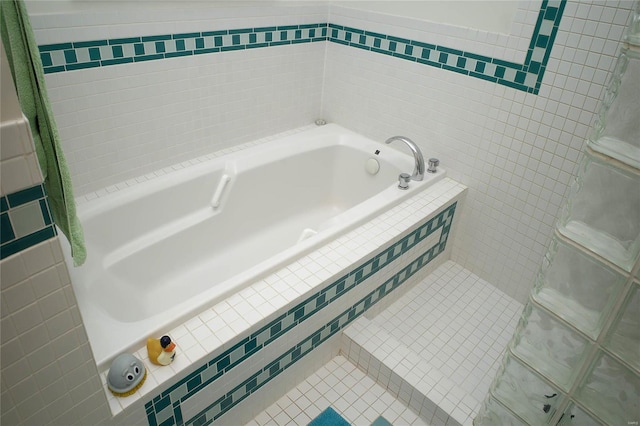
point(26, 67)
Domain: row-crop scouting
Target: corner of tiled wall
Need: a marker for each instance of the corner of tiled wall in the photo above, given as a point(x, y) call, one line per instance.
point(47, 370)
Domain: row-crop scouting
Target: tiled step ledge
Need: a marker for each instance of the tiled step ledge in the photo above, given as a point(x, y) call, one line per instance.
point(405, 375)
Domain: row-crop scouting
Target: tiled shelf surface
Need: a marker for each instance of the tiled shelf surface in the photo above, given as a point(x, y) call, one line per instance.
point(438, 347)
point(458, 322)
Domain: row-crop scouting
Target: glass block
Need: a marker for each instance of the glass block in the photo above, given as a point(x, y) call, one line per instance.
point(611, 391)
point(524, 393)
point(549, 346)
point(624, 339)
point(633, 34)
point(574, 415)
point(577, 287)
point(602, 211)
point(617, 130)
point(493, 413)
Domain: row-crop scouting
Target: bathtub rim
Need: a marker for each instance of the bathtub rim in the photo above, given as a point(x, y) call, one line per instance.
point(446, 192)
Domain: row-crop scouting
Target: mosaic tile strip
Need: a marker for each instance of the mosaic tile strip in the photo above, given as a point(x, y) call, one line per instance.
point(526, 77)
point(25, 220)
point(165, 408)
point(100, 53)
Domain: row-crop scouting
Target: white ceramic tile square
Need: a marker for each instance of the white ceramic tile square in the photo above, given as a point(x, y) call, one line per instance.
point(359, 401)
point(16, 139)
point(26, 219)
point(16, 175)
point(46, 281)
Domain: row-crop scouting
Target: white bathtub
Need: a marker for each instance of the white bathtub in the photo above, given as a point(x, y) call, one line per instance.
point(161, 251)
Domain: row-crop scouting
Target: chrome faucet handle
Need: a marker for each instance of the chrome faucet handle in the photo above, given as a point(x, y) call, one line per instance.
point(418, 170)
point(403, 180)
point(433, 164)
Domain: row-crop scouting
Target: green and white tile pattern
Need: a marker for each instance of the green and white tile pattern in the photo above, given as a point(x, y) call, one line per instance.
point(71, 56)
point(527, 76)
point(25, 220)
point(165, 408)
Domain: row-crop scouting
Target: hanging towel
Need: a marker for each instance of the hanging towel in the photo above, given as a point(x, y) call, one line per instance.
point(28, 76)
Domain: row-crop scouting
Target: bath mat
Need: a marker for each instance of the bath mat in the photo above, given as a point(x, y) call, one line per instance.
point(381, 421)
point(329, 417)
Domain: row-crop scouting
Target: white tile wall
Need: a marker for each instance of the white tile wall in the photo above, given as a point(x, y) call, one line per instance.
point(48, 371)
point(124, 121)
point(84, 21)
point(142, 117)
point(501, 46)
point(516, 151)
point(20, 167)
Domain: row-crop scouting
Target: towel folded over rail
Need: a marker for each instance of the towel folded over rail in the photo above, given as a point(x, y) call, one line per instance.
point(28, 76)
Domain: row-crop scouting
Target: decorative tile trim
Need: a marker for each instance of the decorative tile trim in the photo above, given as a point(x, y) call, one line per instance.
point(165, 409)
point(25, 220)
point(71, 56)
point(526, 77)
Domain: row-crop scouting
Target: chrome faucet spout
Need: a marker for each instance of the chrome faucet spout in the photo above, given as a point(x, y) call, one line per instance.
point(418, 171)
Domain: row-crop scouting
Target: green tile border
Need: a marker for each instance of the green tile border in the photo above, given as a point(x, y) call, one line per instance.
point(9, 244)
point(62, 57)
point(527, 77)
point(165, 408)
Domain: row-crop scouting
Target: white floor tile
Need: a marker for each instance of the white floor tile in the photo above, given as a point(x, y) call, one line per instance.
point(361, 402)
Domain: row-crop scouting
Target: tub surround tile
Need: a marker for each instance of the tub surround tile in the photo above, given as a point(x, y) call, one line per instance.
point(185, 164)
point(25, 219)
point(20, 168)
point(15, 137)
point(196, 100)
point(516, 150)
point(275, 323)
point(70, 56)
point(526, 76)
